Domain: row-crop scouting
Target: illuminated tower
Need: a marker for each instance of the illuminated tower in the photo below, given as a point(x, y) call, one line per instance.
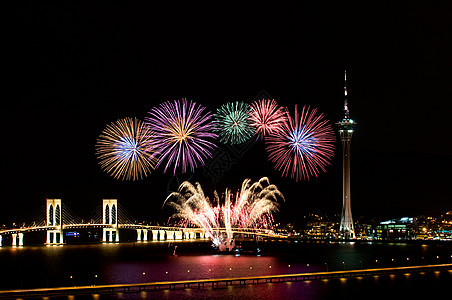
point(346, 126)
point(110, 217)
point(54, 222)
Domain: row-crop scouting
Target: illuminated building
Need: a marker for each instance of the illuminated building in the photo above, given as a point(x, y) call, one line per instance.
point(319, 227)
point(346, 127)
point(395, 229)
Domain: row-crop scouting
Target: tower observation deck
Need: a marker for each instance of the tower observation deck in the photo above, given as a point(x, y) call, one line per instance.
point(346, 127)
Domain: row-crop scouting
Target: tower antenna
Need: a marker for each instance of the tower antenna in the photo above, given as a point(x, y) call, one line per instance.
point(345, 95)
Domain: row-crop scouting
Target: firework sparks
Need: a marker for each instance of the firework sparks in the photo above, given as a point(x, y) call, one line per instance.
point(266, 116)
point(233, 124)
point(182, 134)
point(252, 208)
point(124, 149)
point(304, 146)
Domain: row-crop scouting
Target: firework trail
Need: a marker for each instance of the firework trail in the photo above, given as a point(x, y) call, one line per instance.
point(252, 208)
point(124, 149)
point(182, 134)
point(304, 146)
point(266, 116)
point(233, 124)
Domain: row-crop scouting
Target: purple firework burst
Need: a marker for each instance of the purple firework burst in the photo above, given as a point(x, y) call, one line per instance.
point(183, 131)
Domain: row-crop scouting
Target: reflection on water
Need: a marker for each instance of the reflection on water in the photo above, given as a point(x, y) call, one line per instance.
point(69, 265)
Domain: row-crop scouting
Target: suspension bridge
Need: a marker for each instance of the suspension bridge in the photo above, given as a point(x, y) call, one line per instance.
point(55, 218)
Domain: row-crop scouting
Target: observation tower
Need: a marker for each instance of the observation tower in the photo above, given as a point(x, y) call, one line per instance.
point(346, 127)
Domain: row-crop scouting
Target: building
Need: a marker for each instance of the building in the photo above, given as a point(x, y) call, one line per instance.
point(395, 229)
point(320, 227)
point(346, 127)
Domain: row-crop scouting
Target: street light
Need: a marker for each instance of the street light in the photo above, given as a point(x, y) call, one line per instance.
point(326, 266)
point(343, 264)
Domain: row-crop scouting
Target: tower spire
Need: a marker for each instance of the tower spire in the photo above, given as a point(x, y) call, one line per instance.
point(345, 95)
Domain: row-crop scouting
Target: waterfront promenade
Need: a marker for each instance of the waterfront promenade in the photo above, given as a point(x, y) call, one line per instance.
point(217, 282)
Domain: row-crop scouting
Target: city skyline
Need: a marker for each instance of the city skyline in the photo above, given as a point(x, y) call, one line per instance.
point(397, 61)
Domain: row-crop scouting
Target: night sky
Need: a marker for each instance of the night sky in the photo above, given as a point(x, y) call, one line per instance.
point(77, 67)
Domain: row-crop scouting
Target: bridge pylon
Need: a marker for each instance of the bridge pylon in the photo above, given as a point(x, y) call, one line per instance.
point(54, 219)
point(110, 217)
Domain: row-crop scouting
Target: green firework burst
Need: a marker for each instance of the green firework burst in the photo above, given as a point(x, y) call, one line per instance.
point(233, 123)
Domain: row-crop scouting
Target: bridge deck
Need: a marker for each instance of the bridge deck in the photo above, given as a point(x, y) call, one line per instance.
point(252, 231)
point(201, 283)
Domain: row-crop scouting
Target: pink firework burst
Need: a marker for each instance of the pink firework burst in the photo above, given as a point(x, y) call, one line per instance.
point(252, 207)
point(304, 146)
point(266, 116)
point(183, 134)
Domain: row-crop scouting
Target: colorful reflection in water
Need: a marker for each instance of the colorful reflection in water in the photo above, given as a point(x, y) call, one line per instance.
point(41, 266)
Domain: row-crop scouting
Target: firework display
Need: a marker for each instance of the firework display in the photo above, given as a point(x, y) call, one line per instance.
point(233, 123)
point(266, 116)
point(180, 136)
point(183, 134)
point(251, 207)
point(304, 146)
point(124, 149)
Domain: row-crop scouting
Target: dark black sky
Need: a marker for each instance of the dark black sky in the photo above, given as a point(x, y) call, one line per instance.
point(77, 67)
